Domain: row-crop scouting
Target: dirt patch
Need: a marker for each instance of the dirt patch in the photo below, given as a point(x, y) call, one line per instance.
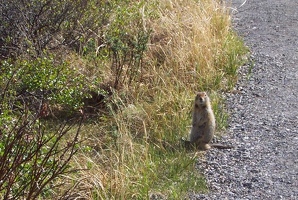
point(264, 114)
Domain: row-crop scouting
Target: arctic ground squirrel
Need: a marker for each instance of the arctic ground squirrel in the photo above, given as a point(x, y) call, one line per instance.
point(203, 124)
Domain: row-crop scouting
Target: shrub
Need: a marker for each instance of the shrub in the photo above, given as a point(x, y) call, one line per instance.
point(30, 27)
point(32, 156)
point(44, 82)
point(127, 39)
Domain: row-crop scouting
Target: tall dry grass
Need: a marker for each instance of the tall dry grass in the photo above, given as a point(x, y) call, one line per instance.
point(190, 42)
point(134, 153)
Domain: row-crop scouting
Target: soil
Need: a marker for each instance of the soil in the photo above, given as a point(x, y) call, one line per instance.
point(264, 112)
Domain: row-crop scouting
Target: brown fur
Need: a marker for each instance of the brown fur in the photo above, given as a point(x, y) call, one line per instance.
point(203, 122)
point(203, 125)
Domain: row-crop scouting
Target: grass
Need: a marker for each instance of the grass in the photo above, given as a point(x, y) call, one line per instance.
point(131, 148)
point(134, 152)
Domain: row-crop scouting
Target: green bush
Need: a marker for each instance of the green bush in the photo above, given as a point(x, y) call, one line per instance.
point(33, 155)
point(43, 81)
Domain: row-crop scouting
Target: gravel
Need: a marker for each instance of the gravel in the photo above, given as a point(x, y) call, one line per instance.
point(264, 112)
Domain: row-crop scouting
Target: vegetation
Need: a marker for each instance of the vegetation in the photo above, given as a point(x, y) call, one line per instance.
point(96, 95)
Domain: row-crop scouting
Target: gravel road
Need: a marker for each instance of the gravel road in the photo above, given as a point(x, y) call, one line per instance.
point(264, 113)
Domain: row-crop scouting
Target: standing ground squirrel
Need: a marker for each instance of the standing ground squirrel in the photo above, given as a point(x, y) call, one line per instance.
point(203, 122)
point(203, 125)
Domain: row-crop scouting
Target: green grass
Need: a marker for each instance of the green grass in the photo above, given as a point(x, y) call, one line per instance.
point(176, 176)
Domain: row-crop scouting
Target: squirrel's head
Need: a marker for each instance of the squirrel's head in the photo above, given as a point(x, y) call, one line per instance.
point(201, 99)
